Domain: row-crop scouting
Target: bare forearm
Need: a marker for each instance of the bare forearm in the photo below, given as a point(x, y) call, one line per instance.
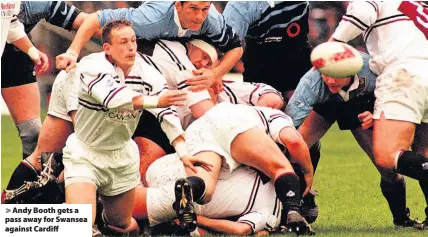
point(224, 226)
point(229, 61)
point(301, 156)
point(23, 44)
point(86, 30)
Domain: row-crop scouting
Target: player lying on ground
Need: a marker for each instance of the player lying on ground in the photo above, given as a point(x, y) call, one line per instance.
point(244, 196)
point(226, 130)
point(319, 101)
point(401, 106)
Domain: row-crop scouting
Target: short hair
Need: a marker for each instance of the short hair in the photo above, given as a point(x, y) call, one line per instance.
point(110, 26)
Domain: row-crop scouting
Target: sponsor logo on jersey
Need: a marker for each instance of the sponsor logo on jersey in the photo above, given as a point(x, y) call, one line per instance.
point(123, 116)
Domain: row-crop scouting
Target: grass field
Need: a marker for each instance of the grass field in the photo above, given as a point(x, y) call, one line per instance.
point(351, 203)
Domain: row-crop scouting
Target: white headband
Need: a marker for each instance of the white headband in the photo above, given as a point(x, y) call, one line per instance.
point(207, 48)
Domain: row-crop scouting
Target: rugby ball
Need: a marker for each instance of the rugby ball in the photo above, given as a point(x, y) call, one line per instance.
point(336, 59)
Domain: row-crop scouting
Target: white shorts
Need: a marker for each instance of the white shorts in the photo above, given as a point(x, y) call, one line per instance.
point(402, 93)
point(113, 172)
point(64, 96)
point(165, 171)
point(216, 130)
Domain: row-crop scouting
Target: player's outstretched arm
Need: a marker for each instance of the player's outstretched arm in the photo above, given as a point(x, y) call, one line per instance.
point(313, 128)
point(67, 60)
point(166, 99)
point(224, 226)
point(299, 152)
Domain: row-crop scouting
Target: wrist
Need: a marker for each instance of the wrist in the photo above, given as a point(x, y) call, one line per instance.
point(150, 102)
point(33, 53)
point(72, 53)
point(181, 149)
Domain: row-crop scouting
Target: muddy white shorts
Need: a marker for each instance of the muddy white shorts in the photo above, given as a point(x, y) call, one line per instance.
point(113, 172)
point(402, 93)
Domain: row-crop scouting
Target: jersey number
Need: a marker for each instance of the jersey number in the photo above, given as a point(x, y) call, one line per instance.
point(417, 13)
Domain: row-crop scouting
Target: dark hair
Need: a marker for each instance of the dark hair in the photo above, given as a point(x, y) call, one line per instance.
point(111, 25)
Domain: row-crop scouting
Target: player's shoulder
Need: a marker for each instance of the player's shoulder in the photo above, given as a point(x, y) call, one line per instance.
point(95, 63)
point(147, 71)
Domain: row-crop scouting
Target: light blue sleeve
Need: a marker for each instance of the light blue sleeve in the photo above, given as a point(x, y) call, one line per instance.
point(147, 20)
point(240, 15)
point(305, 97)
point(222, 35)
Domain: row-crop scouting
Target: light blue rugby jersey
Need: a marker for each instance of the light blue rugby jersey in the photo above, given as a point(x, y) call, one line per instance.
point(312, 91)
point(155, 20)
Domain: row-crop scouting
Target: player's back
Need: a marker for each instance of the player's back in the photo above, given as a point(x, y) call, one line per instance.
point(394, 38)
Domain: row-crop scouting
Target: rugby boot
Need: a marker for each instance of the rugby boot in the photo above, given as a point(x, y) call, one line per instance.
point(184, 206)
point(409, 222)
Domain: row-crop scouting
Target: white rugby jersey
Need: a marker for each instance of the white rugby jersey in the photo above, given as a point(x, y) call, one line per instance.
point(170, 58)
point(245, 196)
point(273, 121)
point(105, 117)
point(393, 30)
point(11, 28)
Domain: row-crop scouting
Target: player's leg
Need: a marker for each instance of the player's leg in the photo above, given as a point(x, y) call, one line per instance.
point(21, 94)
point(198, 188)
point(74, 194)
point(420, 146)
point(392, 184)
point(264, 155)
point(117, 214)
point(23, 103)
point(149, 152)
point(53, 136)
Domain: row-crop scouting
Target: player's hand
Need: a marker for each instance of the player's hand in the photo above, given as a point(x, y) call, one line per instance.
point(66, 61)
point(192, 161)
point(366, 119)
point(42, 63)
point(203, 79)
point(172, 97)
point(309, 179)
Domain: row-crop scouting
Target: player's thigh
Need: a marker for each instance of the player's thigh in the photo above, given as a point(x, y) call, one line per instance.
point(210, 177)
point(22, 101)
point(140, 207)
point(149, 153)
point(389, 137)
point(364, 138)
point(82, 193)
point(54, 134)
point(118, 209)
point(420, 143)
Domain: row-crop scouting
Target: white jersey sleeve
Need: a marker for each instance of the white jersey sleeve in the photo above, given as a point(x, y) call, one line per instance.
point(16, 30)
point(245, 92)
point(167, 117)
point(64, 95)
point(102, 86)
point(359, 16)
point(274, 121)
point(170, 57)
point(259, 220)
